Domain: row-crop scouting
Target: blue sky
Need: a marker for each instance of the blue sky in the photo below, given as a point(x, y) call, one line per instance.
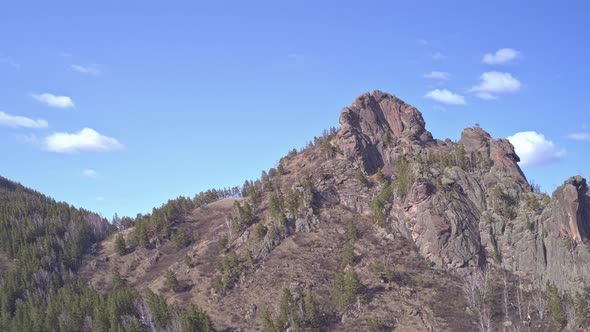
point(182, 96)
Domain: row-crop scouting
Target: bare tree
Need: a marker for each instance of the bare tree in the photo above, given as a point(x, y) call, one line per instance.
point(523, 305)
point(476, 287)
point(485, 318)
point(540, 302)
point(470, 288)
point(519, 300)
point(570, 312)
point(230, 228)
point(505, 292)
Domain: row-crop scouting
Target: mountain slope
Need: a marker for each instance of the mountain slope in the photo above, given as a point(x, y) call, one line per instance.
point(42, 243)
point(426, 211)
point(376, 226)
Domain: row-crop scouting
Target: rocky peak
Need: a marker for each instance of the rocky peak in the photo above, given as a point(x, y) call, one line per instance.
point(475, 139)
point(501, 152)
point(379, 112)
point(377, 120)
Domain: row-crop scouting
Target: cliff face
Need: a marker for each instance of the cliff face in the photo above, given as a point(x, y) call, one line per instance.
point(469, 202)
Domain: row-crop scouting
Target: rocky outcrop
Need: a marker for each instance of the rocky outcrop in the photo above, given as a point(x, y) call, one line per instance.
point(571, 214)
point(469, 204)
point(566, 221)
point(375, 120)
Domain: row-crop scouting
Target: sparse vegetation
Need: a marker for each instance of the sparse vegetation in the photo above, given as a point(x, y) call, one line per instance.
point(117, 281)
point(502, 203)
point(292, 314)
point(379, 202)
point(276, 208)
point(181, 239)
point(479, 292)
point(159, 308)
point(383, 271)
point(293, 201)
point(352, 232)
point(381, 178)
point(361, 178)
point(404, 179)
point(373, 325)
point(555, 305)
point(387, 137)
point(230, 267)
point(311, 311)
point(171, 281)
point(346, 289)
point(259, 231)
point(188, 261)
point(194, 318)
point(268, 324)
point(243, 216)
point(222, 243)
point(348, 256)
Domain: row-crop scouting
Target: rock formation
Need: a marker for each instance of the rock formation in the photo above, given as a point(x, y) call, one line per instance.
point(470, 202)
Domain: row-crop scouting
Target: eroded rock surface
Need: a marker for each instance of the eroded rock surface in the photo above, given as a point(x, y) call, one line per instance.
point(469, 203)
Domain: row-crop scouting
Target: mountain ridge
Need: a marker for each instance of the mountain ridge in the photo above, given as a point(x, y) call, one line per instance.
point(461, 205)
point(374, 226)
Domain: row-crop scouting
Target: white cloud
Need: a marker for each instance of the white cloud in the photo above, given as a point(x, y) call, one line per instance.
point(100, 198)
point(92, 70)
point(16, 121)
point(445, 96)
point(438, 56)
point(89, 173)
point(493, 82)
point(486, 96)
point(579, 136)
point(86, 139)
point(503, 55)
point(54, 101)
point(438, 75)
point(534, 149)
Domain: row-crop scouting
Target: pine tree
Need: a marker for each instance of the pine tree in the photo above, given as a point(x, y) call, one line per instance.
point(352, 233)
point(311, 311)
point(172, 281)
point(195, 319)
point(159, 308)
point(268, 324)
point(555, 304)
point(120, 245)
point(347, 254)
point(286, 310)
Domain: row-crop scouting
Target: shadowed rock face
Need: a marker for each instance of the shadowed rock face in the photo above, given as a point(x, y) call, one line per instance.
point(470, 202)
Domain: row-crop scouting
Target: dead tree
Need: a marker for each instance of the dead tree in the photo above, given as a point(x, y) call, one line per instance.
point(476, 287)
point(540, 302)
